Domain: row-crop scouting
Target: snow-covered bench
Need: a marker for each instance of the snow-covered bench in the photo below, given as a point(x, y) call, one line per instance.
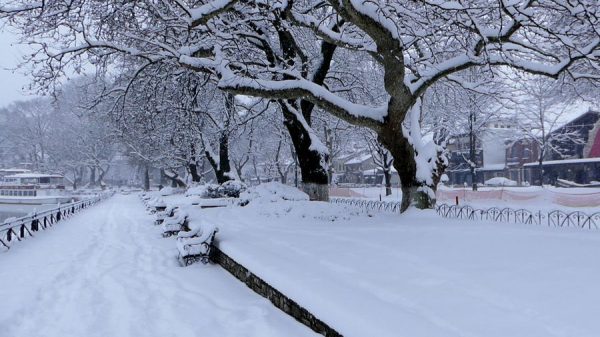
point(147, 198)
point(216, 202)
point(172, 225)
point(196, 244)
point(156, 205)
point(168, 212)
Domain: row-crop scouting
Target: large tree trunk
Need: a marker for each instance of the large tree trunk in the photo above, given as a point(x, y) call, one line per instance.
point(388, 182)
point(101, 175)
point(92, 176)
point(221, 167)
point(146, 178)
point(174, 178)
point(415, 192)
point(312, 162)
point(193, 165)
point(74, 179)
point(193, 169)
point(220, 161)
point(78, 173)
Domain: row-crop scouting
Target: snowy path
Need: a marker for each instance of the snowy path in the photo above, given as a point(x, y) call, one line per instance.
point(106, 272)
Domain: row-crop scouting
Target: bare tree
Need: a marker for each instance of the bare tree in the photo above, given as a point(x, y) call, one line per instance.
point(542, 105)
point(381, 157)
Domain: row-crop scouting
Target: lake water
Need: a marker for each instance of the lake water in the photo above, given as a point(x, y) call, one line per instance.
point(8, 211)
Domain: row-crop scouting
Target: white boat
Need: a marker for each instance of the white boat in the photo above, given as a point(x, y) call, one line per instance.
point(11, 171)
point(33, 189)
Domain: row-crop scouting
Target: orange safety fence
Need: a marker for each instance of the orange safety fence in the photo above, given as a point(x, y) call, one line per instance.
point(590, 199)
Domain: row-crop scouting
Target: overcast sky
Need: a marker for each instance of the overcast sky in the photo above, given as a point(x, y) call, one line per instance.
point(13, 83)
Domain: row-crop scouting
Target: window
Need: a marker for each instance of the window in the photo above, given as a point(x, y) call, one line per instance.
point(56, 180)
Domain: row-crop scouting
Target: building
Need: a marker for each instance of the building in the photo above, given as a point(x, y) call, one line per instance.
point(458, 170)
point(579, 159)
point(500, 154)
point(493, 145)
point(586, 127)
point(359, 168)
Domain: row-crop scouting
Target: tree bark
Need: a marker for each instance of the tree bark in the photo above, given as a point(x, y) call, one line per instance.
point(92, 176)
point(312, 163)
point(388, 182)
point(193, 169)
point(222, 168)
point(146, 178)
point(101, 175)
point(193, 165)
point(176, 181)
point(74, 179)
point(414, 192)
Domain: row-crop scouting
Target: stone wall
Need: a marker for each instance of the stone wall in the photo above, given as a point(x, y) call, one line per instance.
point(278, 299)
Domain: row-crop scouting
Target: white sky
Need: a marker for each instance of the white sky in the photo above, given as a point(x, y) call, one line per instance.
point(13, 83)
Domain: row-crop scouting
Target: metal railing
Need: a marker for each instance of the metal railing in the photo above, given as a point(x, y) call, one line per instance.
point(23, 227)
point(369, 205)
point(555, 218)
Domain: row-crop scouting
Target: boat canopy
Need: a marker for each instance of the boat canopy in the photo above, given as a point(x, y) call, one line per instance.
point(34, 179)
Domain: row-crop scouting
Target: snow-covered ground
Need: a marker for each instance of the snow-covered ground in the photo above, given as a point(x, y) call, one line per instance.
point(107, 272)
point(366, 192)
point(417, 275)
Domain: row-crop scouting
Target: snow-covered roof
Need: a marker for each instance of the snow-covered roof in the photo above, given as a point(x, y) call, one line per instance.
point(573, 115)
point(359, 159)
point(14, 170)
point(566, 161)
point(34, 175)
point(378, 170)
point(492, 167)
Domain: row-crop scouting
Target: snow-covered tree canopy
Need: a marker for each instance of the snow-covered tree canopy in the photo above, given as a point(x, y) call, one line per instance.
point(268, 49)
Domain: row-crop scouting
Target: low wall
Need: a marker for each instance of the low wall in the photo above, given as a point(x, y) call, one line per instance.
point(278, 299)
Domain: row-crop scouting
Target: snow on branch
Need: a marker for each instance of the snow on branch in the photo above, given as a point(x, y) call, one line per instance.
point(426, 150)
point(6, 10)
point(516, 36)
point(202, 14)
point(329, 35)
point(373, 18)
point(299, 88)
